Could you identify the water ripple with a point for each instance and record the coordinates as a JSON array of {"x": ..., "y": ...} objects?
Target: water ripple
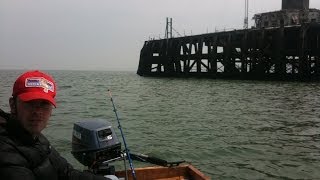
[{"x": 227, "y": 129}]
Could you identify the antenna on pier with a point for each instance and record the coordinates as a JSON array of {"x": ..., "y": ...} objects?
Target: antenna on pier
[
  {"x": 246, "y": 14},
  {"x": 168, "y": 33}
]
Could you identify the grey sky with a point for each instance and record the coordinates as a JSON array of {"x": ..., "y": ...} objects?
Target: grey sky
[{"x": 106, "y": 34}]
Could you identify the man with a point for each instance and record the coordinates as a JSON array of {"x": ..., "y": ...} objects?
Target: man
[{"x": 24, "y": 152}]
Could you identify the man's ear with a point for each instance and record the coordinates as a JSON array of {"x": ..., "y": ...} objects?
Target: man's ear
[{"x": 13, "y": 107}]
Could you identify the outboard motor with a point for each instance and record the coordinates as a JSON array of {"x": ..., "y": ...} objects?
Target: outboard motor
[{"x": 95, "y": 144}]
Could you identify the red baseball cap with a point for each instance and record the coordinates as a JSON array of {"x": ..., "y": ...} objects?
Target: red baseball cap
[{"x": 33, "y": 85}]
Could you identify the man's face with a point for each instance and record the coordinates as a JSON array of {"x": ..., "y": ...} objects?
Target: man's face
[{"x": 33, "y": 115}]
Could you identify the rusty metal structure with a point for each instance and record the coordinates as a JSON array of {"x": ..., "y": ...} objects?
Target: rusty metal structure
[
  {"x": 293, "y": 12},
  {"x": 278, "y": 53}
]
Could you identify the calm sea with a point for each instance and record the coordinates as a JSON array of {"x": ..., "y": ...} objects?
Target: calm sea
[{"x": 229, "y": 129}]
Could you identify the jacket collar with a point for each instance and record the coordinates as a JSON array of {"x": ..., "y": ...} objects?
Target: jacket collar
[{"x": 11, "y": 127}]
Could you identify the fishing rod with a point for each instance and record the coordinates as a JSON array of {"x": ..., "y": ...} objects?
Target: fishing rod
[{"x": 123, "y": 139}]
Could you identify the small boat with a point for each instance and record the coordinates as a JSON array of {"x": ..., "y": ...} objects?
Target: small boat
[{"x": 181, "y": 172}]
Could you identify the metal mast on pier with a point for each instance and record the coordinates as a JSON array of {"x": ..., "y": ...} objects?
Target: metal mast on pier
[
  {"x": 168, "y": 33},
  {"x": 246, "y": 14}
]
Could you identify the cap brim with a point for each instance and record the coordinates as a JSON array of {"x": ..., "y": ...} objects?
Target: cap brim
[{"x": 29, "y": 96}]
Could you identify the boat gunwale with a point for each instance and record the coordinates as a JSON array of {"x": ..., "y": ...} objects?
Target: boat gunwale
[{"x": 165, "y": 173}]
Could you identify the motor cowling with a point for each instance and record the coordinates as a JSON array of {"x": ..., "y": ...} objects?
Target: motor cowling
[{"x": 94, "y": 141}]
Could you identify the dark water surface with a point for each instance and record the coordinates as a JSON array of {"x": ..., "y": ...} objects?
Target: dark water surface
[{"x": 228, "y": 129}]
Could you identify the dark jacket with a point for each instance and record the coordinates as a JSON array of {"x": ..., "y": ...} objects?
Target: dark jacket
[{"x": 23, "y": 157}]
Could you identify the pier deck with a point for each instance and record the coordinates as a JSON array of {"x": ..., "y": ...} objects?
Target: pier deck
[{"x": 282, "y": 53}]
